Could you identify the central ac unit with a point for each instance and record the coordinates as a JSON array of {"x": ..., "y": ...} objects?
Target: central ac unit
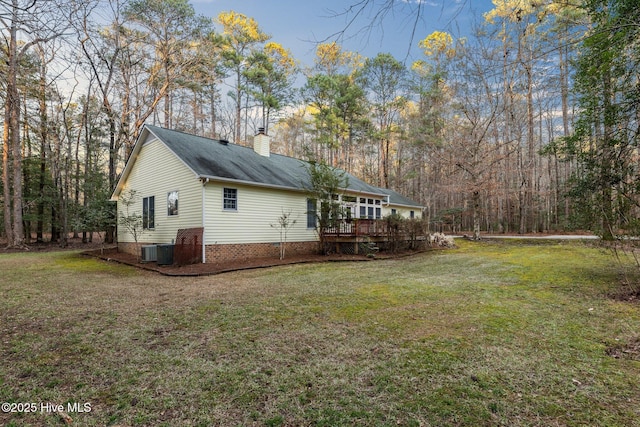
[{"x": 149, "y": 253}]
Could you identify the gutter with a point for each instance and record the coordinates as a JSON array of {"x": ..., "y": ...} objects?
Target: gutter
[
  {"x": 205, "y": 181},
  {"x": 279, "y": 187}
]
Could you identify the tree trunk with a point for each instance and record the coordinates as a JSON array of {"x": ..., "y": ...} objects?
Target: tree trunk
[
  {"x": 531, "y": 160},
  {"x": 43, "y": 155},
  {"x": 476, "y": 215},
  {"x": 238, "y": 105},
  {"x": 6, "y": 178},
  {"x": 214, "y": 133},
  {"x": 13, "y": 100},
  {"x": 606, "y": 159}
]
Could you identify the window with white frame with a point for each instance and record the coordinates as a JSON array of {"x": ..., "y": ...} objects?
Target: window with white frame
[
  {"x": 370, "y": 208},
  {"x": 172, "y": 203},
  {"x": 349, "y": 204},
  {"x": 148, "y": 212},
  {"x": 230, "y": 199},
  {"x": 312, "y": 216}
]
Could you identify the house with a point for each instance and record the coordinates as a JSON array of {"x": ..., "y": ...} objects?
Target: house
[{"x": 231, "y": 195}]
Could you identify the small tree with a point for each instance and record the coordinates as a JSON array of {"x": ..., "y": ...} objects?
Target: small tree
[
  {"x": 131, "y": 221},
  {"x": 285, "y": 222},
  {"x": 395, "y": 228},
  {"x": 413, "y": 229},
  {"x": 325, "y": 183},
  {"x": 96, "y": 217}
]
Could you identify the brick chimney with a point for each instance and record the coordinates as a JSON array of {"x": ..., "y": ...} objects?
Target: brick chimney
[{"x": 261, "y": 143}]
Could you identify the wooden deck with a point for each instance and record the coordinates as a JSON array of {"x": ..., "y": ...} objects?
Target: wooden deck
[
  {"x": 358, "y": 228},
  {"x": 363, "y": 234}
]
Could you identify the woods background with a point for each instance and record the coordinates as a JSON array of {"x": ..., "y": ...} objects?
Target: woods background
[{"x": 528, "y": 124}]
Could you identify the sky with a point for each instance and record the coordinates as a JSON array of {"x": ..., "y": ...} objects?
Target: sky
[{"x": 297, "y": 24}]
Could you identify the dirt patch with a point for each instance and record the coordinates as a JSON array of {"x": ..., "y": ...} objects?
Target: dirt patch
[
  {"x": 626, "y": 293},
  {"x": 112, "y": 254},
  {"x": 629, "y": 350}
]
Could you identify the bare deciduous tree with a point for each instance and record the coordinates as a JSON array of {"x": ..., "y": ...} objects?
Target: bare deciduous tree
[{"x": 24, "y": 24}]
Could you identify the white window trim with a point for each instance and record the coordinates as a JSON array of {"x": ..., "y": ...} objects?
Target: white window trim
[
  {"x": 225, "y": 198},
  {"x": 178, "y": 210}
]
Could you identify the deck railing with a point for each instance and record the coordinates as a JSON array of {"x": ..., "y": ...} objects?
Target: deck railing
[{"x": 357, "y": 227}]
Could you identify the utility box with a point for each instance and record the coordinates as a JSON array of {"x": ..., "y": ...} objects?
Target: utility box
[
  {"x": 149, "y": 253},
  {"x": 165, "y": 254}
]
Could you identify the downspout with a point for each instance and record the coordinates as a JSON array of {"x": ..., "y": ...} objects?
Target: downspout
[{"x": 205, "y": 181}]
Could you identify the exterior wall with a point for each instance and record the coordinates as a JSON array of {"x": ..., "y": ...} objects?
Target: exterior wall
[
  {"x": 258, "y": 209},
  {"x": 244, "y": 233},
  {"x": 130, "y": 248},
  {"x": 240, "y": 252},
  {"x": 156, "y": 172},
  {"x": 402, "y": 211},
  {"x": 379, "y": 203}
]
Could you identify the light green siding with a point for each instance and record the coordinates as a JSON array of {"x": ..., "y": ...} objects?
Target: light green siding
[
  {"x": 156, "y": 172},
  {"x": 258, "y": 208}
]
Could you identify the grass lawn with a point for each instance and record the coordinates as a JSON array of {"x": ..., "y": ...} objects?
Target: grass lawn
[{"x": 489, "y": 334}]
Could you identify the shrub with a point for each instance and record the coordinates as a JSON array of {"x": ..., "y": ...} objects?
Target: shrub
[{"x": 441, "y": 240}]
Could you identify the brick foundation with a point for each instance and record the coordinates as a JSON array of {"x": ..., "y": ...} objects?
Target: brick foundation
[
  {"x": 131, "y": 248},
  {"x": 240, "y": 252}
]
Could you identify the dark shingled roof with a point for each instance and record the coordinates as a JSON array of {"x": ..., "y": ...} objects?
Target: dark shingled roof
[{"x": 209, "y": 158}]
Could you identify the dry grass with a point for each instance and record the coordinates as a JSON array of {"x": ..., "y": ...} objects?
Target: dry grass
[{"x": 489, "y": 334}]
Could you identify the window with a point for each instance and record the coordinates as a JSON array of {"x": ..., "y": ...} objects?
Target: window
[
  {"x": 412, "y": 214},
  {"x": 349, "y": 199},
  {"x": 230, "y": 199},
  {"x": 311, "y": 213},
  {"x": 148, "y": 212},
  {"x": 394, "y": 212},
  {"x": 348, "y": 214},
  {"x": 370, "y": 208},
  {"x": 172, "y": 203}
]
